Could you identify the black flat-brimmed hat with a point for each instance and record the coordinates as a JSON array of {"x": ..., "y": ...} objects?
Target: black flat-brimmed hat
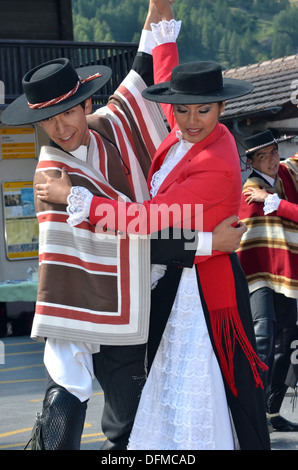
[
  {"x": 197, "y": 83},
  {"x": 262, "y": 140},
  {"x": 52, "y": 88}
]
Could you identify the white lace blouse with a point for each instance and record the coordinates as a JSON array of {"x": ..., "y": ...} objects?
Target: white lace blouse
[{"x": 183, "y": 404}]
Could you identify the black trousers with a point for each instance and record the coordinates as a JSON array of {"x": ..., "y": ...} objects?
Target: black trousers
[
  {"x": 274, "y": 317},
  {"x": 120, "y": 371}
]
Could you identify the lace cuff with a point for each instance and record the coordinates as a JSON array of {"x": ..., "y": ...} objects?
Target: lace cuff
[
  {"x": 166, "y": 31},
  {"x": 271, "y": 203},
  {"x": 79, "y": 202}
]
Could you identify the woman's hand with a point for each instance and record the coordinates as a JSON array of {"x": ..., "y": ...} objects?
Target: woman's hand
[
  {"x": 54, "y": 190},
  {"x": 255, "y": 195},
  {"x": 162, "y": 6},
  {"x": 159, "y": 10}
]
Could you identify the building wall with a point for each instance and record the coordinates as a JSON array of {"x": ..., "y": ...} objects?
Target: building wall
[
  {"x": 36, "y": 19},
  {"x": 16, "y": 169}
]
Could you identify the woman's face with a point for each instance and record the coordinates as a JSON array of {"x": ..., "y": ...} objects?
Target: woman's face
[{"x": 197, "y": 121}]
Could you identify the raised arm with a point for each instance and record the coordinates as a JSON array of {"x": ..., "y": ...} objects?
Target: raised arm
[
  {"x": 165, "y": 55},
  {"x": 139, "y": 121},
  {"x": 159, "y": 10}
]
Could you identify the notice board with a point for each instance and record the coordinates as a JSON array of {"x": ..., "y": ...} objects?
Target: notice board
[
  {"x": 20, "y": 221},
  {"x": 17, "y": 142}
]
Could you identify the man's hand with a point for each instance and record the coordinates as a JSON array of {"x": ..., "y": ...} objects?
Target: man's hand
[
  {"x": 255, "y": 195},
  {"x": 226, "y": 237},
  {"x": 54, "y": 190}
]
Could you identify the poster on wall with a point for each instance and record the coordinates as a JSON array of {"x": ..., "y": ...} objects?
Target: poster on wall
[
  {"x": 17, "y": 142},
  {"x": 20, "y": 221}
]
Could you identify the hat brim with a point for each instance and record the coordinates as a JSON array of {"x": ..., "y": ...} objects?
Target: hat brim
[
  {"x": 19, "y": 113},
  {"x": 162, "y": 93},
  {"x": 280, "y": 140}
]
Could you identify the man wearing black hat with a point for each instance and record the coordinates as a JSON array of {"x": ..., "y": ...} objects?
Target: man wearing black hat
[
  {"x": 84, "y": 282},
  {"x": 268, "y": 255}
]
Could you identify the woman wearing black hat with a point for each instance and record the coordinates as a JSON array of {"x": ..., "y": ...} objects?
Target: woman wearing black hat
[{"x": 204, "y": 389}]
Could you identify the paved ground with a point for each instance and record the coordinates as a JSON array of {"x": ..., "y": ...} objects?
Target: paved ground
[{"x": 22, "y": 391}]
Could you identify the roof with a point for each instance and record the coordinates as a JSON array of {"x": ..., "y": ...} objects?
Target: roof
[{"x": 273, "y": 86}]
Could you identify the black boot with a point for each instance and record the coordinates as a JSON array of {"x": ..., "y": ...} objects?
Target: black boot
[
  {"x": 282, "y": 362},
  {"x": 281, "y": 424},
  {"x": 60, "y": 424},
  {"x": 265, "y": 333}
]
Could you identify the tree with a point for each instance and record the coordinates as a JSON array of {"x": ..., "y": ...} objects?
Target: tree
[
  {"x": 285, "y": 37},
  {"x": 234, "y": 32}
]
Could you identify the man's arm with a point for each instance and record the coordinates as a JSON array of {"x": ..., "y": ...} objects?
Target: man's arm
[{"x": 179, "y": 247}]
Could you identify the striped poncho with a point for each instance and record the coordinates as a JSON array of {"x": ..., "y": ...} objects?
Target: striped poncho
[
  {"x": 269, "y": 249},
  {"x": 96, "y": 288}
]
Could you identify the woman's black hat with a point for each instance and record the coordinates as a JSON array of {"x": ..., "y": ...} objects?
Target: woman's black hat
[
  {"x": 197, "y": 83},
  {"x": 52, "y": 88}
]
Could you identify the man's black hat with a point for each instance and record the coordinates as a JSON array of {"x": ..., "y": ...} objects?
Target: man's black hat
[
  {"x": 52, "y": 88},
  {"x": 262, "y": 140}
]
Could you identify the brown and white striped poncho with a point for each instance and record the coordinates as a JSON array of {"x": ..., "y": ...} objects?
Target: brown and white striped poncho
[
  {"x": 269, "y": 249},
  {"x": 94, "y": 288}
]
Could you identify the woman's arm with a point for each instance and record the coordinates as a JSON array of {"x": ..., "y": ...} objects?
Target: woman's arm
[
  {"x": 225, "y": 236},
  {"x": 180, "y": 205},
  {"x": 165, "y": 57},
  {"x": 159, "y": 10},
  {"x": 288, "y": 210},
  {"x": 272, "y": 203}
]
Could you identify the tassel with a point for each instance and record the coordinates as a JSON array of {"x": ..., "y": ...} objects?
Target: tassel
[
  {"x": 227, "y": 328},
  {"x": 225, "y": 320}
]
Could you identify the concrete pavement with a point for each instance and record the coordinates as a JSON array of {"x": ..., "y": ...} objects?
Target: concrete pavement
[
  {"x": 22, "y": 381},
  {"x": 22, "y": 390}
]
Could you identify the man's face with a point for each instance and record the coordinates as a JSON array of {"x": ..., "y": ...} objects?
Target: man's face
[
  {"x": 266, "y": 161},
  {"x": 69, "y": 130}
]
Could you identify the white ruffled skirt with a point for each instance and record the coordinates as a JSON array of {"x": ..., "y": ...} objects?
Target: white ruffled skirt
[{"x": 183, "y": 404}]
